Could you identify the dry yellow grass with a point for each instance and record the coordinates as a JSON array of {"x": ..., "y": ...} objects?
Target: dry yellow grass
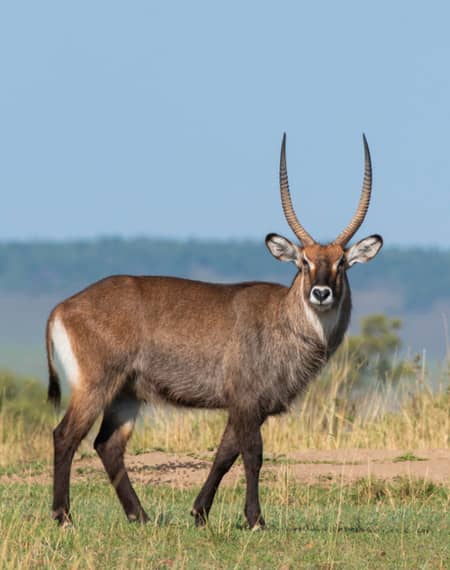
[{"x": 409, "y": 415}]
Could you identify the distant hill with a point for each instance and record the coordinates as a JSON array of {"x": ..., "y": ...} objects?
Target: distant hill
[
  {"x": 413, "y": 284},
  {"x": 420, "y": 276}
]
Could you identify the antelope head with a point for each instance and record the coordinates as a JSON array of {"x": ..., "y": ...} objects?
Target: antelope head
[{"x": 324, "y": 267}]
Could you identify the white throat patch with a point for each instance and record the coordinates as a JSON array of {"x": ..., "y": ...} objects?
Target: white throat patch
[{"x": 325, "y": 322}]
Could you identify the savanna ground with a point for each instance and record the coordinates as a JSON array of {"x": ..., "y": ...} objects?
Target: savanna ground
[{"x": 348, "y": 482}]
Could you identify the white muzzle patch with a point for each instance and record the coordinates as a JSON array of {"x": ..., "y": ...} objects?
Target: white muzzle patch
[{"x": 321, "y": 296}]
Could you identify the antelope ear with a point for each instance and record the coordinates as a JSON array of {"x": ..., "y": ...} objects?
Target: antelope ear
[
  {"x": 364, "y": 250},
  {"x": 281, "y": 248}
]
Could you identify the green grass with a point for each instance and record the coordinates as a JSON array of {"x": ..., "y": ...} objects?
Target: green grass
[
  {"x": 409, "y": 456},
  {"x": 370, "y": 524},
  {"x": 30, "y": 468}
]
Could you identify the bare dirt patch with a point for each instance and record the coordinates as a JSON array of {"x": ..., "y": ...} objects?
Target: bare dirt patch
[
  {"x": 311, "y": 466},
  {"x": 351, "y": 464}
]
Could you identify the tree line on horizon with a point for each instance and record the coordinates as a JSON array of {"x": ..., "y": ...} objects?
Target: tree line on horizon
[{"x": 67, "y": 266}]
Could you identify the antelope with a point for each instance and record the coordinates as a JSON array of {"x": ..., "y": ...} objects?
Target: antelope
[{"x": 249, "y": 348}]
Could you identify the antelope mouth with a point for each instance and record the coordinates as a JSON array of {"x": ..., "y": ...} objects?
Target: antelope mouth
[{"x": 321, "y": 307}]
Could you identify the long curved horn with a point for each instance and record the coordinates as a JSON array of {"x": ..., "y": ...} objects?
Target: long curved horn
[
  {"x": 363, "y": 205},
  {"x": 286, "y": 202}
]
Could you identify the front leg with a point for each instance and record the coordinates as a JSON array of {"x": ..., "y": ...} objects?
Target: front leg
[
  {"x": 251, "y": 447},
  {"x": 225, "y": 457}
]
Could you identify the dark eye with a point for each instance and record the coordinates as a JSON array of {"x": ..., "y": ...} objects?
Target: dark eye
[
  {"x": 341, "y": 262},
  {"x": 305, "y": 263}
]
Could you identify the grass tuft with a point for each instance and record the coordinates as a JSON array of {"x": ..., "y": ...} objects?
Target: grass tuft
[
  {"x": 365, "y": 525},
  {"x": 408, "y": 456}
]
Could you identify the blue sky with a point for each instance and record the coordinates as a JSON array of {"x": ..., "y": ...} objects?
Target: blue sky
[{"x": 165, "y": 118}]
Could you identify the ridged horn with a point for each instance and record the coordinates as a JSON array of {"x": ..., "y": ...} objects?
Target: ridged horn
[
  {"x": 363, "y": 205},
  {"x": 286, "y": 202}
]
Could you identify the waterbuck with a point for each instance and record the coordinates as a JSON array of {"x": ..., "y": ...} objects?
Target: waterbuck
[{"x": 249, "y": 348}]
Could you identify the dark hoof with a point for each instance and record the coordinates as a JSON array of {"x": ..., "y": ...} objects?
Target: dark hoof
[
  {"x": 200, "y": 518},
  {"x": 140, "y": 518},
  {"x": 259, "y": 523},
  {"x": 258, "y": 527},
  {"x": 63, "y": 519}
]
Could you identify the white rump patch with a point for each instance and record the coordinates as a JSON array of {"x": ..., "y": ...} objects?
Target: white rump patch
[{"x": 64, "y": 354}]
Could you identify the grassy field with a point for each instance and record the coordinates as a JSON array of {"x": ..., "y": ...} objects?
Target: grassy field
[
  {"x": 370, "y": 523},
  {"x": 366, "y": 525}
]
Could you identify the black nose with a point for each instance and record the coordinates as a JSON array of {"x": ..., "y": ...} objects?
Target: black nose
[{"x": 321, "y": 294}]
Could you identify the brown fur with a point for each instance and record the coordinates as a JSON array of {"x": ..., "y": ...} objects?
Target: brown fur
[{"x": 247, "y": 348}]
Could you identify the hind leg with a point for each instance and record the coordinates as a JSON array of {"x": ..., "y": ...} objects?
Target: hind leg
[
  {"x": 115, "y": 431},
  {"x": 67, "y": 436}
]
